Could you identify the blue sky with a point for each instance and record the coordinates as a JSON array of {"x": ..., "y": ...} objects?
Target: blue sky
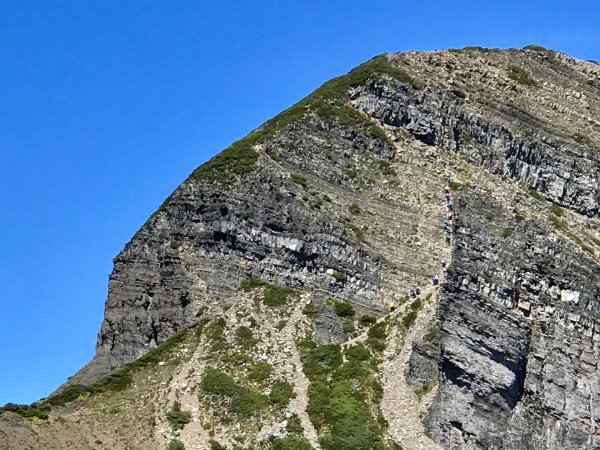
[{"x": 106, "y": 106}]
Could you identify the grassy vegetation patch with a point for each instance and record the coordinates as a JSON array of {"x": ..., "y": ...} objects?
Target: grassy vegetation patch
[
  {"x": 507, "y": 232},
  {"x": 241, "y": 401},
  {"x": 244, "y": 337},
  {"x": 273, "y": 295},
  {"x": 321, "y": 360},
  {"x": 557, "y": 210},
  {"x": 357, "y": 352},
  {"x": 358, "y": 232},
  {"x": 521, "y": 76},
  {"x": 281, "y": 393},
  {"x": 424, "y": 390},
  {"x": 260, "y": 371},
  {"x": 292, "y": 443},
  {"x": 376, "y": 337},
  {"x": 252, "y": 283},
  {"x": 354, "y": 209},
  {"x": 430, "y": 336},
  {"x": 310, "y": 310},
  {"x": 367, "y": 320},
  {"x": 179, "y": 419},
  {"x": 278, "y": 296},
  {"x": 343, "y": 309},
  {"x": 299, "y": 179},
  {"x": 340, "y": 276},
  {"x": 236, "y": 160},
  {"x": 176, "y": 445},
  {"x": 409, "y": 319},
  {"x": 348, "y": 327}
]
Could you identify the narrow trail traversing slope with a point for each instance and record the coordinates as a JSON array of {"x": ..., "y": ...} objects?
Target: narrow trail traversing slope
[{"x": 400, "y": 406}]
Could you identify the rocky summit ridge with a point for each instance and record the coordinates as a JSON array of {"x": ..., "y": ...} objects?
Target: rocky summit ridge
[{"x": 252, "y": 310}]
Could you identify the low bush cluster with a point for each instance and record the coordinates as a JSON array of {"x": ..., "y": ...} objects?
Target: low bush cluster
[{"x": 240, "y": 400}]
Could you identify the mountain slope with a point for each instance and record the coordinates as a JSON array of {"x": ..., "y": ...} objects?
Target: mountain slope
[{"x": 265, "y": 252}]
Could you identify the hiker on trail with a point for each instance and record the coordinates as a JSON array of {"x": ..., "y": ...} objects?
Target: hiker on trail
[
  {"x": 450, "y": 205},
  {"x": 448, "y": 195},
  {"x": 443, "y": 263},
  {"x": 392, "y": 305},
  {"x": 436, "y": 280},
  {"x": 381, "y": 121},
  {"x": 417, "y": 291},
  {"x": 364, "y": 108},
  {"x": 450, "y": 215},
  {"x": 449, "y": 181},
  {"x": 447, "y": 238}
]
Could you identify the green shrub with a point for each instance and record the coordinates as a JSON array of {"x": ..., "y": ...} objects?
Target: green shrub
[
  {"x": 343, "y": 309},
  {"x": 310, "y": 310},
  {"x": 215, "y": 331},
  {"x": 377, "y": 331},
  {"x": 367, "y": 320},
  {"x": 535, "y": 48},
  {"x": 535, "y": 194},
  {"x": 521, "y": 76},
  {"x": 245, "y": 337},
  {"x": 339, "y": 276},
  {"x": 557, "y": 210},
  {"x": 351, "y": 174},
  {"x": 281, "y": 325},
  {"x": 455, "y": 186},
  {"x": 260, "y": 371},
  {"x": 252, "y": 283},
  {"x": 176, "y": 445},
  {"x": 294, "y": 426},
  {"x": 359, "y": 233},
  {"x": 386, "y": 167},
  {"x": 67, "y": 395},
  {"x": 39, "y": 411},
  {"x": 348, "y": 327},
  {"x": 430, "y": 335},
  {"x": 409, "y": 319},
  {"x": 318, "y": 400},
  {"x": 351, "y": 427},
  {"x": 321, "y": 360},
  {"x": 174, "y": 245},
  {"x": 179, "y": 419},
  {"x": 292, "y": 443},
  {"x": 416, "y": 305},
  {"x": 556, "y": 222},
  {"x": 277, "y": 296},
  {"x": 214, "y": 445},
  {"x": 357, "y": 352},
  {"x": 424, "y": 390},
  {"x": 299, "y": 179},
  {"x": 242, "y": 401},
  {"x": 281, "y": 393},
  {"x": 507, "y": 232},
  {"x": 354, "y": 209},
  {"x": 236, "y": 160}
]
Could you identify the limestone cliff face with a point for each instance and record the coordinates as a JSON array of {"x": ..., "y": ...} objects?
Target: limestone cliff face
[
  {"x": 339, "y": 203},
  {"x": 519, "y": 336}
]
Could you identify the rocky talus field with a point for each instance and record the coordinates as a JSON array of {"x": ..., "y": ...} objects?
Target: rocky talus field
[{"x": 252, "y": 309}]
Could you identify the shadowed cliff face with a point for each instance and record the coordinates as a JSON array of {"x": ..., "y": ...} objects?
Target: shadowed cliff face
[
  {"x": 518, "y": 322},
  {"x": 346, "y": 202}
]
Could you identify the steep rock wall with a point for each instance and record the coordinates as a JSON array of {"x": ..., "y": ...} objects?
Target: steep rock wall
[{"x": 519, "y": 325}]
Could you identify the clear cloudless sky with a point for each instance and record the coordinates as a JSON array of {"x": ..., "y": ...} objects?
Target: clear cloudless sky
[{"x": 107, "y": 106}]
